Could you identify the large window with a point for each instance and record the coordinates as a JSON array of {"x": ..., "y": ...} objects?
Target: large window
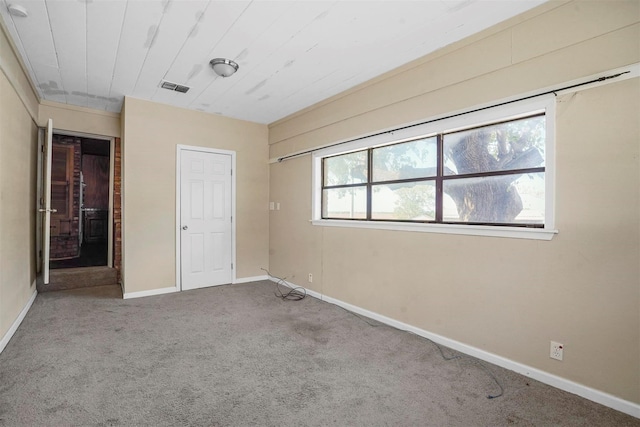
[{"x": 488, "y": 174}]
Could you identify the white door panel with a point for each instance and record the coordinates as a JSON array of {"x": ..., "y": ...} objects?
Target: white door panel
[
  {"x": 45, "y": 209},
  {"x": 205, "y": 219}
]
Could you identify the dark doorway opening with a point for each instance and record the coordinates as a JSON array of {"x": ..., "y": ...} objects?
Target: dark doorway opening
[{"x": 80, "y": 195}]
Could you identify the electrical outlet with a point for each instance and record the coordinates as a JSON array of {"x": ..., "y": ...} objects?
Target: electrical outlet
[
  {"x": 556, "y": 350},
  {"x": 310, "y": 277}
]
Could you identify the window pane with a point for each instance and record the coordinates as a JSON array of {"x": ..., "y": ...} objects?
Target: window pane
[
  {"x": 346, "y": 169},
  {"x": 345, "y": 203},
  {"x": 504, "y": 199},
  {"x": 518, "y": 144},
  {"x": 414, "y": 159},
  {"x": 407, "y": 201}
]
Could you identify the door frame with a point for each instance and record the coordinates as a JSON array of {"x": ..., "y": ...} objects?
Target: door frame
[
  {"x": 179, "y": 149},
  {"x": 40, "y": 190}
]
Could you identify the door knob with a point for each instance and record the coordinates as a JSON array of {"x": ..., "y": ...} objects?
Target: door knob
[{"x": 184, "y": 227}]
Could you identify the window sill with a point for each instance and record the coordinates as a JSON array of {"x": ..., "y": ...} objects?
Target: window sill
[{"x": 469, "y": 230}]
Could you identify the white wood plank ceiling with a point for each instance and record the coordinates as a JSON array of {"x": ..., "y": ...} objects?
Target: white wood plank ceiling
[{"x": 292, "y": 54}]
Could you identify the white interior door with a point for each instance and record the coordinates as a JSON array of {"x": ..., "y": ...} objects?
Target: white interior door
[
  {"x": 205, "y": 219},
  {"x": 46, "y": 201}
]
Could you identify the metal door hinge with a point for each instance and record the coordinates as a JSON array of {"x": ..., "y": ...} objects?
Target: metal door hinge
[{"x": 232, "y": 266}]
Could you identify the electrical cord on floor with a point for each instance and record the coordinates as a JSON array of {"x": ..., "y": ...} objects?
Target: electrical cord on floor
[
  {"x": 439, "y": 347},
  {"x": 296, "y": 293},
  {"x": 493, "y": 377}
]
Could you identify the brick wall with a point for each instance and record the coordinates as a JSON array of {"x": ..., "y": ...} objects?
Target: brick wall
[{"x": 117, "y": 206}]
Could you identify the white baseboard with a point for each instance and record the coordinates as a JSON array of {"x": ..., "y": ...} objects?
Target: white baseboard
[
  {"x": 251, "y": 279},
  {"x": 149, "y": 293},
  {"x": 162, "y": 291},
  {"x": 592, "y": 394},
  {"x": 14, "y": 326}
]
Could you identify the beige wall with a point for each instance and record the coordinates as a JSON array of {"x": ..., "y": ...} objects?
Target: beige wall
[
  {"x": 79, "y": 119},
  {"x": 506, "y": 296},
  {"x": 18, "y": 149},
  {"x": 152, "y": 132}
]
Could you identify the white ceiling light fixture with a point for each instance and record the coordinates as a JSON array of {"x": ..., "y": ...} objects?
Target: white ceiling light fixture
[
  {"x": 224, "y": 67},
  {"x": 17, "y": 10}
]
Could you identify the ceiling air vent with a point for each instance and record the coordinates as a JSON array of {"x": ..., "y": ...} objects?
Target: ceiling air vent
[{"x": 174, "y": 86}]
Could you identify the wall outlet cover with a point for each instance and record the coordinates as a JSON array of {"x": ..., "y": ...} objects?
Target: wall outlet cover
[{"x": 556, "y": 351}]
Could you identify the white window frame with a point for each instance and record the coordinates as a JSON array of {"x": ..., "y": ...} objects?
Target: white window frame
[{"x": 546, "y": 105}]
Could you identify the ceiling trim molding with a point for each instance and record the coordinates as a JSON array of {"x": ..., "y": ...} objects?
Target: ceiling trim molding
[{"x": 71, "y": 107}]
